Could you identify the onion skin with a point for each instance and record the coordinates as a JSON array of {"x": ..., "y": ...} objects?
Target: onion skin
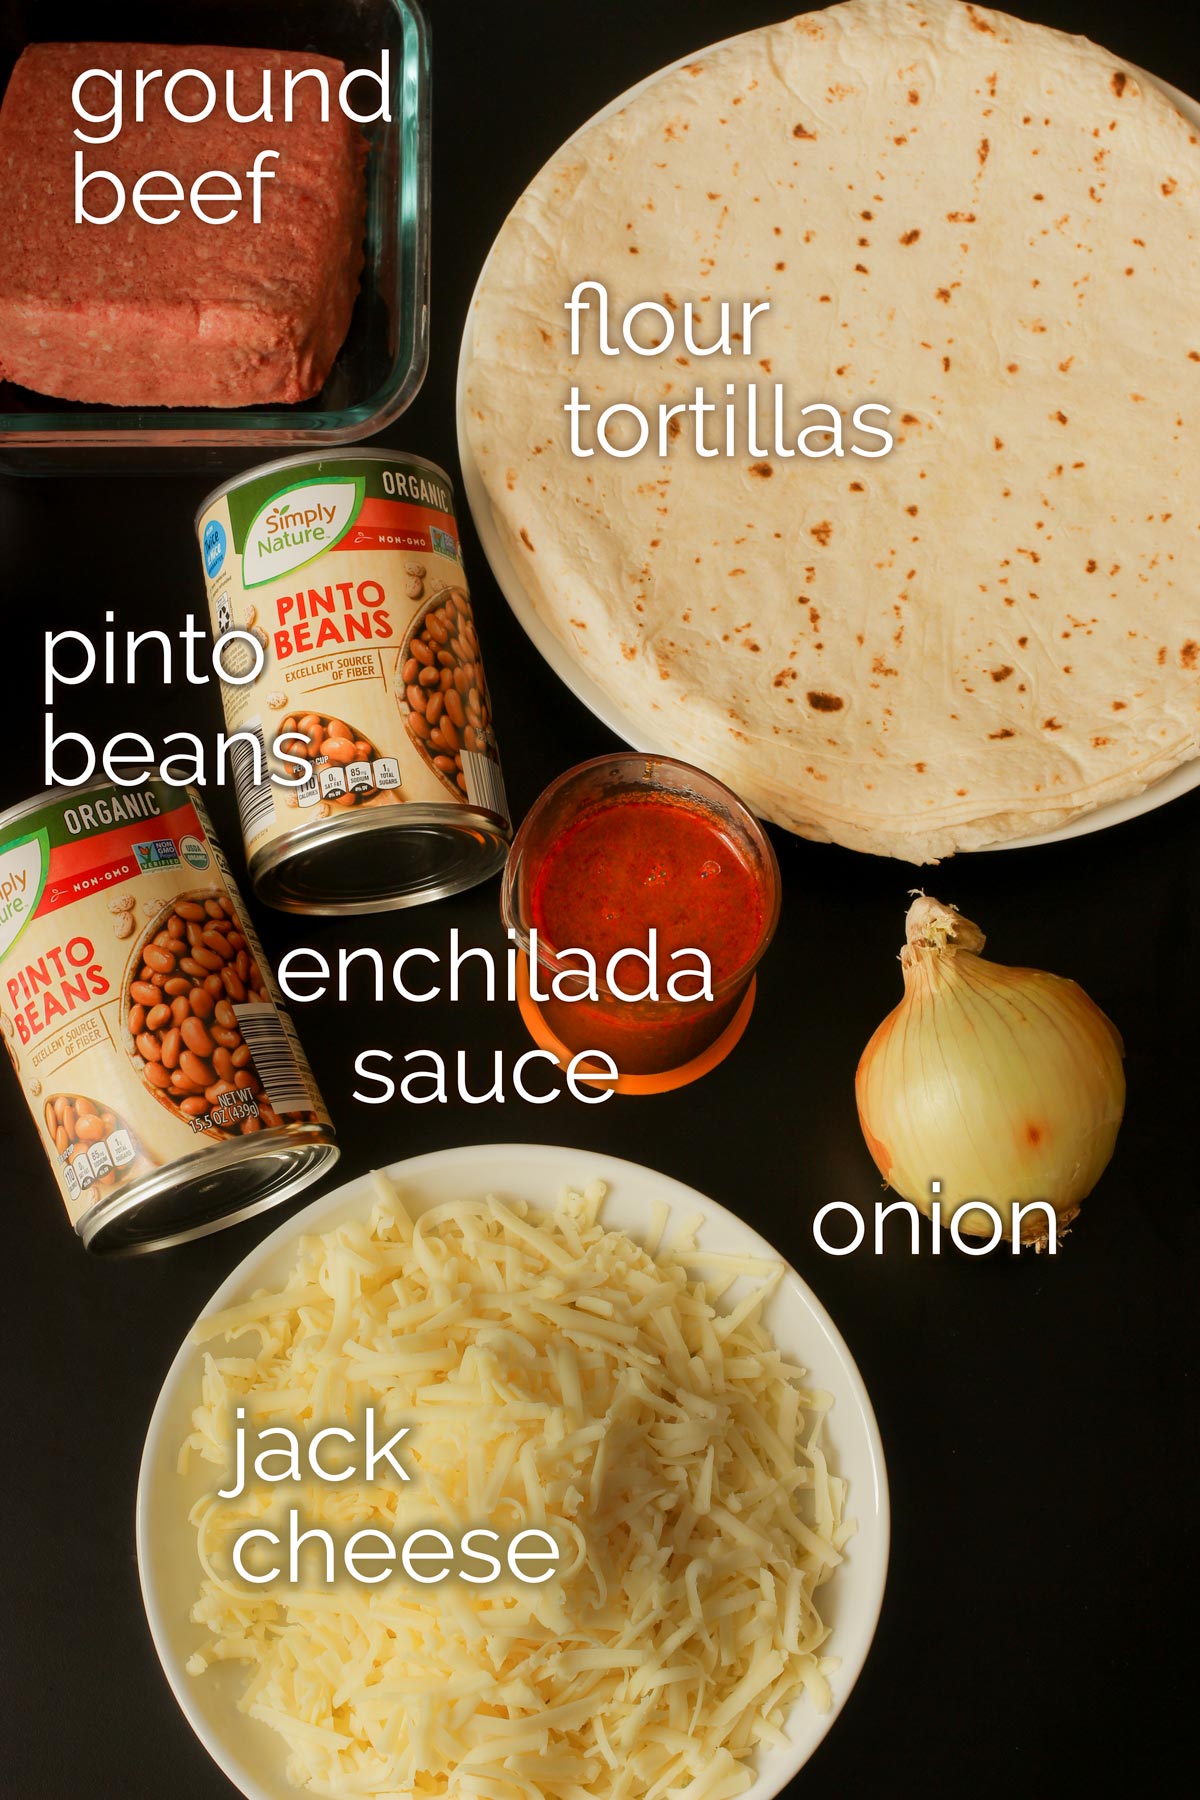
[{"x": 1005, "y": 1085}]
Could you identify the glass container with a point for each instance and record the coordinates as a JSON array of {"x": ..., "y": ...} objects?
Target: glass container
[
  {"x": 381, "y": 365},
  {"x": 650, "y": 1036}
]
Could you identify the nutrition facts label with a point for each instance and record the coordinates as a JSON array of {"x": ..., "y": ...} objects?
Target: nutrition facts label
[
  {"x": 90, "y": 1165},
  {"x": 334, "y": 781}
]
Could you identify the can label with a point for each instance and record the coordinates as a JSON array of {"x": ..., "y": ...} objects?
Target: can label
[
  {"x": 136, "y": 1004},
  {"x": 347, "y": 569}
]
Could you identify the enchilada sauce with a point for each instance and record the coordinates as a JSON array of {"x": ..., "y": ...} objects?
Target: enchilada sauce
[{"x": 623, "y": 867}]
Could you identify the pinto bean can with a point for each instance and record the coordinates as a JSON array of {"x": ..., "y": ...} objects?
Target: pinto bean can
[
  {"x": 164, "y": 1077},
  {"x": 365, "y": 754}
]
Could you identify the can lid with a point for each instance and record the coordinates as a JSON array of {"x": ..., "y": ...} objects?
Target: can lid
[
  {"x": 216, "y": 1187},
  {"x": 376, "y": 860}
]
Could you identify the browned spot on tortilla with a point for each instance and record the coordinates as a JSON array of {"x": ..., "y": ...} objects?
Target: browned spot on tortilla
[
  {"x": 1168, "y": 187},
  {"x": 1007, "y": 732},
  {"x": 1194, "y": 355},
  {"x": 910, "y": 237},
  {"x": 861, "y": 269},
  {"x": 1064, "y": 366},
  {"x": 526, "y": 539},
  {"x": 997, "y": 443},
  {"x": 802, "y": 131},
  {"x": 1051, "y": 725},
  {"x": 1002, "y": 673},
  {"x": 856, "y": 487},
  {"x": 1090, "y": 565},
  {"x": 1033, "y": 1133},
  {"x": 763, "y": 470},
  {"x": 920, "y": 768},
  {"x": 961, "y": 218},
  {"x": 981, "y": 25},
  {"x": 545, "y": 336},
  {"x": 943, "y": 294},
  {"x": 1162, "y": 656},
  {"x": 629, "y": 651},
  {"x": 673, "y": 428},
  {"x": 779, "y": 267},
  {"x": 1060, "y": 416},
  {"x": 912, "y": 511},
  {"x": 945, "y": 364},
  {"x": 984, "y": 151},
  {"x": 1189, "y": 653},
  {"x": 914, "y": 99},
  {"x": 1099, "y": 743},
  {"x": 1119, "y": 705},
  {"x": 822, "y": 532},
  {"x": 825, "y": 702},
  {"x": 1118, "y": 82},
  {"x": 783, "y": 677}
]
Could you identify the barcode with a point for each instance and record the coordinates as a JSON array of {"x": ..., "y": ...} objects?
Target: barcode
[
  {"x": 272, "y": 1044},
  {"x": 256, "y": 801},
  {"x": 485, "y": 784}
]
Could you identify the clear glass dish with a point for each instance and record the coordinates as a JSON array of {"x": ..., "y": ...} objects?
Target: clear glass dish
[
  {"x": 381, "y": 364},
  {"x": 642, "y": 1037}
]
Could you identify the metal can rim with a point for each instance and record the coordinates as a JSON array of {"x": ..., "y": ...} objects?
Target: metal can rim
[
  {"x": 315, "y": 1137},
  {"x": 463, "y": 822}
]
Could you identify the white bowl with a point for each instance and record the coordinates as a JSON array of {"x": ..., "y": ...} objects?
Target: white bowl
[{"x": 248, "y": 1752}]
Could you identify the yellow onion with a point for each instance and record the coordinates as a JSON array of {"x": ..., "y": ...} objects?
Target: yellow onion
[{"x": 1002, "y": 1085}]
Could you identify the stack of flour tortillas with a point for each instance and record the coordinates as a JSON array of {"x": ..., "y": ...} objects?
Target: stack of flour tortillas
[{"x": 986, "y": 226}]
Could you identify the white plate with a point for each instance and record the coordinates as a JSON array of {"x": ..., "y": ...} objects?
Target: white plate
[
  {"x": 630, "y": 726},
  {"x": 251, "y": 1755}
]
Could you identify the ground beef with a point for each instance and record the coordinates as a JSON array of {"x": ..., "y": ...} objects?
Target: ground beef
[{"x": 180, "y": 314}]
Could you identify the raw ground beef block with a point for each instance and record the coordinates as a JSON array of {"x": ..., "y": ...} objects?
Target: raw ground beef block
[{"x": 180, "y": 314}]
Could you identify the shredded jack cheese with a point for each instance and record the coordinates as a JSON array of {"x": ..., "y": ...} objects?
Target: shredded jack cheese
[{"x": 554, "y": 1374}]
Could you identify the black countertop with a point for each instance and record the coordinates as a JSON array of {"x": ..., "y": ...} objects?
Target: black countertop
[{"x": 1034, "y": 1412}]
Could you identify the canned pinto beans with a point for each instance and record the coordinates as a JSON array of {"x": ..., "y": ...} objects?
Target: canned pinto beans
[
  {"x": 347, "y": 570},
  {"x": 145, "y": 1028}
]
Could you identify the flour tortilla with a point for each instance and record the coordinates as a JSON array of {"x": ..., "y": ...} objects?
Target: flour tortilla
[{"x": 993, "y": 629}]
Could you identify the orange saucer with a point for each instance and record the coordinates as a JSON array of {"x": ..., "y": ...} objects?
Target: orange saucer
[{"x": 664, "y": 1082}]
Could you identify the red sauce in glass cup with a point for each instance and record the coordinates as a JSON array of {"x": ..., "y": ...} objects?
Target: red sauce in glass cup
[{"x": 626, "y": 865}]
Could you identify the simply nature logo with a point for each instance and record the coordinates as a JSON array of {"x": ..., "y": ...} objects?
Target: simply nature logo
[
  {"x": 297, "y": 525},
  {"x": 22, "y": 877}
]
